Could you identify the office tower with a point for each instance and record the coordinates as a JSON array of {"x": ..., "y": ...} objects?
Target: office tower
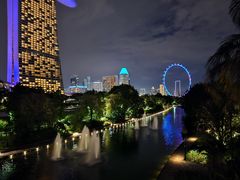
[
  {"x": 85, "y": 82},
  {"x": 74, "y": 80},
  {"x": 162, "y": 90},
  {"x": 124, "y": 76},
  {"x": 109, "y": 82},
  {"x": 142, "y": 92},
  {"x": 153, "y": 91},
  {"x": 97, "y": 86},
  {"x": 76, "y": 89},
  {"x": 33, "y": 51},
  {"x": 89, "y": 85},
  {"x": 177, "y": 89}
]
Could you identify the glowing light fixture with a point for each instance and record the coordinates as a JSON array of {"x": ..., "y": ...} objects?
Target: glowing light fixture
[
  {"x": 76, "y": 134},
  {"x": 124, "y": 71},
  {"x": 192, "y": 139},
  {"x": 177, "y": 158}
]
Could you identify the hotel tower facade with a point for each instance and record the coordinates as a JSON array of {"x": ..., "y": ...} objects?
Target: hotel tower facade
[{"x": 33, "y": 50}]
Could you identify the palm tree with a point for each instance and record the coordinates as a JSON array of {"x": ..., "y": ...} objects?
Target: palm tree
[{"x": 223, "y": 67}]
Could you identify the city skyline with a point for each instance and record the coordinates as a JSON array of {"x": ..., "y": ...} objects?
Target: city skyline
[
  {"x": 139, "y": 43},
  {"x": 88, "y": 87}
]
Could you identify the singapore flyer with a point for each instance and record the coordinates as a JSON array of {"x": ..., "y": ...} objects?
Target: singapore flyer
[{"x": 175, "y": 89}]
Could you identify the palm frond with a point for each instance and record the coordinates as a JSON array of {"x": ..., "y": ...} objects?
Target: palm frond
[
  {"x": 223, "y": 67},
  {"x": 225, "y": 60},
  {"x": 234, "y": 11}
]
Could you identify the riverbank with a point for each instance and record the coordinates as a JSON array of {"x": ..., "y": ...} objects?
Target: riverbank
[{"x": 176, "y": 168}]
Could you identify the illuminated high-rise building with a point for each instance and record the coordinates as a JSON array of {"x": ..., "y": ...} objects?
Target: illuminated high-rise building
[
  {"x": 76, "y": 89},
  {"x": 177, "y": 89},
  {"x": 142, "y": 91},
  {"x": 109, "y": 82},
  {"x": 74, "y": 80},
  {"x": 153, "y": 91},
  {"x": 124, "y": 76},
  {"x": 162, "y": 90},
  {"x": 97, "y": 86},
  {"x": 87, "y": 82},
  {"x": 33, "y": 51}
]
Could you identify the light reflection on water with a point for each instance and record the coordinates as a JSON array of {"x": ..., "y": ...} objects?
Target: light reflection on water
[
  {"x": 126, "y": 154},
  {"x": 171, "y": 126}
]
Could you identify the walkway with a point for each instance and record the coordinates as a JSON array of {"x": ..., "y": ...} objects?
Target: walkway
[{"x": 179, "y": 169}]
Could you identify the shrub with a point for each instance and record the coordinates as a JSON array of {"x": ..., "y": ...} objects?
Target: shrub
[{"x": 197, "y": 157}]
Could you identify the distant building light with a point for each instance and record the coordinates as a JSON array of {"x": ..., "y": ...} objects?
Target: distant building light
[{"x": 123, "y": 71}]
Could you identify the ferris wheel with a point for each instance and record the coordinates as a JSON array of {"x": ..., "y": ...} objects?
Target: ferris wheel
[{"x": 166, "y": 73}]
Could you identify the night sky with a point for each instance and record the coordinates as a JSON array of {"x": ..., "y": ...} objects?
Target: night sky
[{"x": 100, "y": 36}]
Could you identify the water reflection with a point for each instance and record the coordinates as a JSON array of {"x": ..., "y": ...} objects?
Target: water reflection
[{"x": 172, "y": 126}]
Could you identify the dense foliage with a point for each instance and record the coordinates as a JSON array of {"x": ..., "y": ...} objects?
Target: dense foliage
[
  {"x": 197, "y": 157},
  {"x": 34, "y": 115},
  {"x": 123, "y": 102},
  {"x": 33, "y": 111}
]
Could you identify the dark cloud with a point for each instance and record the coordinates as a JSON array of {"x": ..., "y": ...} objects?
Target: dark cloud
[{"x": 144, "y": 35}]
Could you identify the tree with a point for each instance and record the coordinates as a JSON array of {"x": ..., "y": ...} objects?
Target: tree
[
  {"x": 234, "y": 11},
  {"x": 223, "y": 67},
  {"x": 93, "y": 103},
  {"x": 32, "y": 110},
  {"x": 194, "y": 106},
  {"x": 207, "y": 109},
  {"x": 223, "y": 71},
  {"x": 153, "y": 103},
  {"x": 123, "y": 102}
]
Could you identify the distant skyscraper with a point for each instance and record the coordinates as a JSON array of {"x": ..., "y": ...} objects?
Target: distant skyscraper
[
  {"x": 97, "y": 86},
  {"x": 124, "y": 76},
  {"x": 33, "y": 52},
  {"x": 177, "y": 89},
  {"x": 142, "y": 92},
  {"x": 109, "y": 82},
  {"x": 162, "y": 90},
  {"x": 87, "y": 82},
  {"x": 76, "y": 89},
  {"x": 89, "y": 85},
  {"x": 153, "y": 91},
  {"x": 75, "y": 81}
]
